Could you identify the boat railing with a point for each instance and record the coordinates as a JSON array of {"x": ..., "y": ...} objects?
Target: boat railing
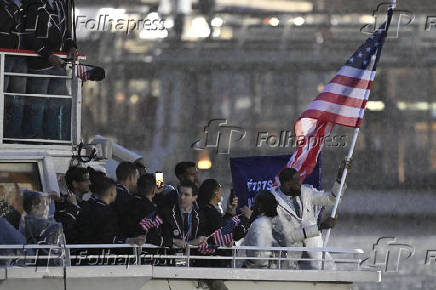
[
  {"x": 101, "y": 254},
  {"x": 73, "y": 86}
]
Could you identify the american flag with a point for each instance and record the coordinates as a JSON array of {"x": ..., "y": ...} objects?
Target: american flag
[
  {"x": 342, "y": 101},
  {"x": 153, "y": 220},
  {"x": 206, "y": 249},
  {"x": 82, "y": 72},
  {"x": 224, "y": 235}
]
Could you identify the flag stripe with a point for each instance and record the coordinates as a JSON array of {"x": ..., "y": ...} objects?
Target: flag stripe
[
  {"x": 341, "y": 111},
  {"x": 314, "y": 151},
  {"x": 352, "y": 72},
  {"x": 330, "y": 117},
  {"x": 352, "y": 82},
  {"x": 346, "y": 91},
  {"x": 346, "y": 101}
]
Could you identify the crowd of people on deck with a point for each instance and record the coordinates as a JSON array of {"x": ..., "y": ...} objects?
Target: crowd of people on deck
[{"x": 137, "y": 210}]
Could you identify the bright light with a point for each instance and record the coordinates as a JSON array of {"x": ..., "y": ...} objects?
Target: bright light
[
  {"x": 134, "y": 99},
  {"x": 217, "y": 22},
  {"x": 153, "y": 16},
  {"x": 274, "y": 21},
  {"x": 199, "y": 28},
  {"x": 366, "y": 19},
  {"x": 216, "y": 32},
  {"x": 299, "y": 21},
  {"x": 204, "y": 160},
  {"x": 204, "y": 164},
  {"x": 169, "y": 23},
  {"x": 375, "y": 105},
  {"x": 112, "y": 13},
  {"x": 120, "y": 97},
  {"x": 153, "y": 34}
]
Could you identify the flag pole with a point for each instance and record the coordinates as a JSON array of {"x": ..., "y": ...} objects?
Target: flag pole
[{"x": 344, "y": 173}]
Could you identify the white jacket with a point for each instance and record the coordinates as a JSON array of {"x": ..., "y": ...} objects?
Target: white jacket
[
  {"x": 259, "y": 235},
  {"x": 292, "y": 231}
]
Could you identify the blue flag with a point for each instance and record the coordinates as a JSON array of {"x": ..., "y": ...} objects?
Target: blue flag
[{"x": 253, "y": 174}]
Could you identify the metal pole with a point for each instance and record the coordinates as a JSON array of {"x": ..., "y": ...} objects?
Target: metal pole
[
  {"x": 2, "y": 96},
  {"x": 344, "y": 176}
]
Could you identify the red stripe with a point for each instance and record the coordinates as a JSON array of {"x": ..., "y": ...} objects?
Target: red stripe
[
  {"x": 352, "y": 82},
  {"x": 310, "y": 162},
  {"x": 332, "y": 118},
  {"x": 341, "y": 100}
]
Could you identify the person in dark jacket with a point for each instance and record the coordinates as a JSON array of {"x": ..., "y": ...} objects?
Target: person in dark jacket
[
  {"x": 182, "y": 220},
  {"x": 143, "y": 218},
  {"x": 47, "y": 32},
  {"x": 11, "y": 32},
  {"x": 67, "y": 208},
  {"x": 97, "y": 222},
  {"x": 212, "y": 218},
  {"x": 127, "y": 178}
]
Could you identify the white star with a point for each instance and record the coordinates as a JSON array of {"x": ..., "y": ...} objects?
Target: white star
[
  {"x": 351, "y": 59},
  {"x": 365, "y": 62},
  {"x": 377, "y": 44},
  {"x": 368, "y": 49},
  {"x": 360, "y": 54}
]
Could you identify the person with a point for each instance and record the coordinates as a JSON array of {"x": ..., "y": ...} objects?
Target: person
[
  {"x": 185, "y": 171},
  {"x": 11, "y": 205},
  {"x": 181, "y": 221},
  {"x": 212, "y": 218},
  {"x": 296, "y": 223},
  {"x": 11, "y": 31},
  {"x": 127, "y": 178},
  {"x": 10, "y": 236},
  {"x": 97, "y": 222},
  {"x": 142, "y": 208},
  {"x": 67, "y": 208},
  {"x": 260, "y": 232},
  {"x": 47, "y": 32},
  {"x": 38, "y": 228}
]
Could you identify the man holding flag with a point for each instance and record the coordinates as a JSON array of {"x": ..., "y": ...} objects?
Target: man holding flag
[{"x": 342, "y": 102}]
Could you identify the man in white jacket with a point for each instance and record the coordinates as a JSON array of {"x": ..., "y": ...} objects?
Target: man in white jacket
[{"x": 298, "y": 208}]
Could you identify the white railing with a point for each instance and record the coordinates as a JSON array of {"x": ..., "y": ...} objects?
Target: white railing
[
  {"x": 73, "y": 84},
  {"x": 64, "y": 255}
]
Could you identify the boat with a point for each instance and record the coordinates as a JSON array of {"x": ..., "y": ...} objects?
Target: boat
[{"x": 39, "y": 164}]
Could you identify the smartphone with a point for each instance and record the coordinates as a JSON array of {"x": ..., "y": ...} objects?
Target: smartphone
[{"x": 159, "y": 179}]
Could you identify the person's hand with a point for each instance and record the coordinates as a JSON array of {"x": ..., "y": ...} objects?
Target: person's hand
[
  {"x": 160, "y": 189},
  {"x": 246, "y": 211},
  {"x": 329, "y": 223},
  {"x": 344, "y": 163},
  {"x": 138, "y": 241},
  {"x": 232, "y": 205},
  {"x": 180, "y": 243},
  {"x": 72, "y": 198},
  {"x": 55, "y": 60},
  {"x": 198, "y": 241},
  {"x": 73, "y": 53}
]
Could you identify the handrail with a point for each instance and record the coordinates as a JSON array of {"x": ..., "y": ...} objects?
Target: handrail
[
  {"x": 28, "y": 52},
  {"x": 115, "y": 246}
]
